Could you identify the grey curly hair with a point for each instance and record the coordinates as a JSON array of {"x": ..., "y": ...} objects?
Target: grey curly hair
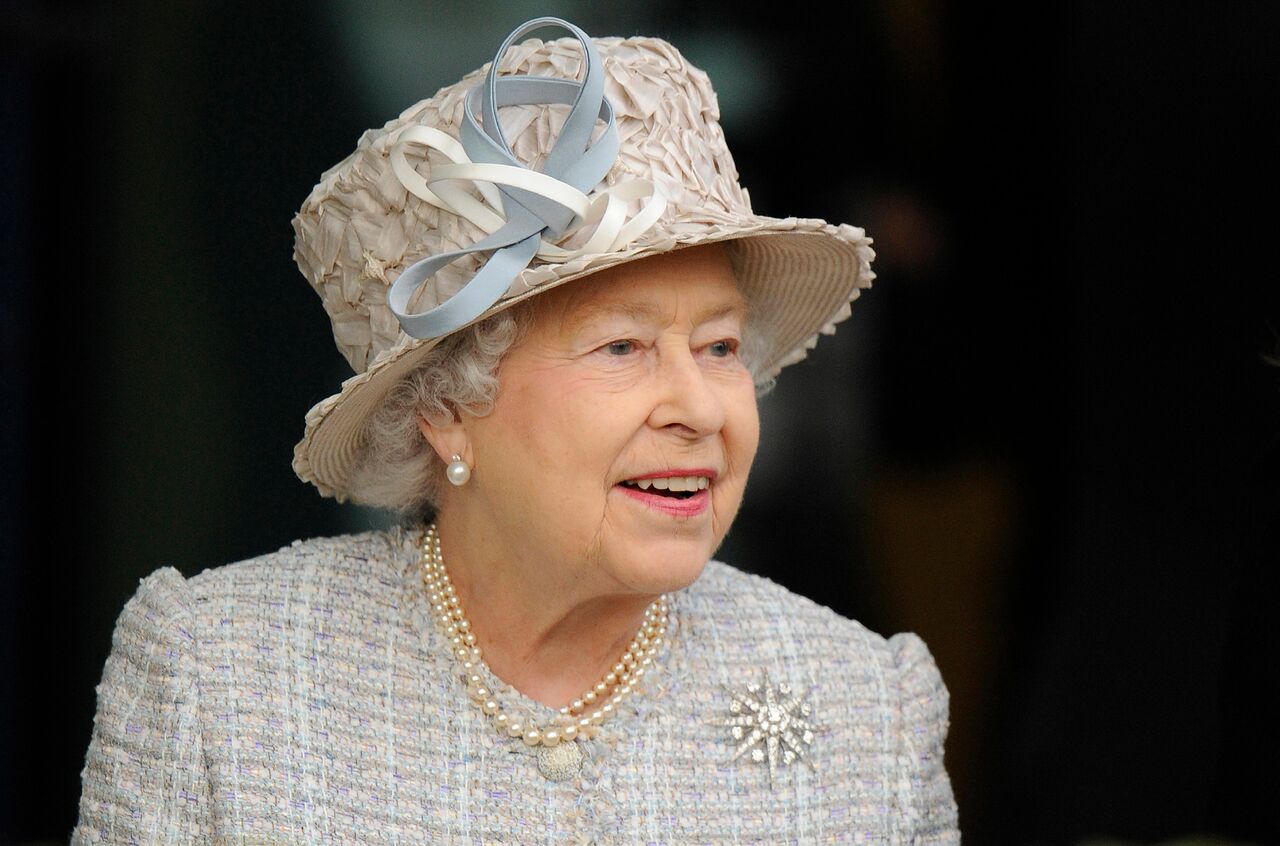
[{"x": 398, "y": 470}]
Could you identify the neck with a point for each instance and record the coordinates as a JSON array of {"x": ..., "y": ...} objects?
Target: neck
[{"x": 550, "y": 629}]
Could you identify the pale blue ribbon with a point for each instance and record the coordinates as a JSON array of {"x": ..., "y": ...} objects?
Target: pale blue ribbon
[{"x": 573, "y": 160}]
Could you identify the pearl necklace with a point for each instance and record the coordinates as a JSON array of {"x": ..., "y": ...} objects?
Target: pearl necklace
[{"x": 559, "y": 757}]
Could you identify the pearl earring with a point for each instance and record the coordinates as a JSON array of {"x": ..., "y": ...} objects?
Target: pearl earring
[{"x": 459, "y": 471}]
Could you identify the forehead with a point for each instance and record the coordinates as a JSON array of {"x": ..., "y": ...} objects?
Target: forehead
[{"x": 698, "y": 279}]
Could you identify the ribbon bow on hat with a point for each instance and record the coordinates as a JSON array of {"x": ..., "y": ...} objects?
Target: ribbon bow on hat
[{"x": 521, "y": 205}]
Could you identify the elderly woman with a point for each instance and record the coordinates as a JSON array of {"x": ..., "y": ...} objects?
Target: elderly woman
[{"x": 544, "y": 650}]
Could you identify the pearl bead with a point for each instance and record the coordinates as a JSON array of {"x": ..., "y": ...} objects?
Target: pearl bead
[
  {"x": 469, "y": 639},
  {"x": 597, "y": 717},
  {"x": 607, "y": 711},
  {"x": 479, "y": 692},
  {"x": 589, "y": 697},
  {"x": 515, "y": 728},
  {"x": 550, "y": 737},
  {"x": 569, "y": 732},
  {"x": 577, "y": 705},
  {"x": 611, "y": 679},
  {"x": 584, "y": 722},
  {"x": 459, "y": 472},
  {"x": 502, "y": 721},
  {"x": 463, "y": 625},
  {"x": 475, "y": 679},
  {"x": 532, "y": 737},
  {"x": 601, "y": 688},
  {"x": 490, "y": 707},
  {"x": 619, "y": 668}
]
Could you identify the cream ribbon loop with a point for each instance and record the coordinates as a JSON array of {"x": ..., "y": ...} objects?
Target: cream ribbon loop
[{"x": 522, "y": 212}]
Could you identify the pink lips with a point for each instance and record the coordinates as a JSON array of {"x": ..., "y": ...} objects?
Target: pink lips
[{"x": 689, "y": 507}]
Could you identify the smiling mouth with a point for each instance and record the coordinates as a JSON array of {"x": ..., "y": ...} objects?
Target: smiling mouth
[{"x": 673, "y": 488}]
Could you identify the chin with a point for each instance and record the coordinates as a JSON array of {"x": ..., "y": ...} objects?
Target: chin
[{"x": 665, "y": 566}]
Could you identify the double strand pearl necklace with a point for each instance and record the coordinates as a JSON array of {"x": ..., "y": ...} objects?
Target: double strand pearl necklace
[{"x": 559, "y": 756}]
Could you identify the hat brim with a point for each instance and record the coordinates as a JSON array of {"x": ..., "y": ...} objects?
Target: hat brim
[{"x": 800, "y": 276}]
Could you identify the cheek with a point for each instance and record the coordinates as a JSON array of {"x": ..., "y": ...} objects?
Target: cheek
[
  {"x": 513, "y": 456},
  {"x": 742, "y": 427},
  {"x": 568, "y": 430},
  {"x": 741, "y": 439}
]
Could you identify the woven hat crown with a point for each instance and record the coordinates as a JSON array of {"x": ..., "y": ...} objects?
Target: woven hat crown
[{"x": 360, "y": 227}]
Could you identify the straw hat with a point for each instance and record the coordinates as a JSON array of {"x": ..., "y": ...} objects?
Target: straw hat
[{"x": 438, "y": 220}]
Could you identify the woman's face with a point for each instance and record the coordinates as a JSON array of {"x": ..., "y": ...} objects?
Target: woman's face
[{"x": 627, "y": 375}]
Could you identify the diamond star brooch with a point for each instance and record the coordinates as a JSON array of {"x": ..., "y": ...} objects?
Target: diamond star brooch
[{"x": 770, "y": 724}]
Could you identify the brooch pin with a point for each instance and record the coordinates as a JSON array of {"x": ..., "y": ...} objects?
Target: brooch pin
[{"x": 772, "y": 724}]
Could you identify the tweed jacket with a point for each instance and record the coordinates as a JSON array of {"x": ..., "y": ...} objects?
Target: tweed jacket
[{"x": 305, "y": 696}]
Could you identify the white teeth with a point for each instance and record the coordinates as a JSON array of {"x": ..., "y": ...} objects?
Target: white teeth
[{"x": 672, "y": 483}]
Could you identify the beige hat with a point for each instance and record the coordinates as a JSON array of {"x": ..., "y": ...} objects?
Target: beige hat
[{"x": 393, "y": 249}]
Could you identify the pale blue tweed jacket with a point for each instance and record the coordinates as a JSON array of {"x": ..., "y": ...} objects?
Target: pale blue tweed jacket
[{"x": 306, "y": 697}]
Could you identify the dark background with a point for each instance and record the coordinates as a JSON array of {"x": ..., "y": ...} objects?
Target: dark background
[{"x": 1047, "y": 440}]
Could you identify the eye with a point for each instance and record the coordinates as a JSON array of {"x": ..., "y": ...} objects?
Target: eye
[
  {"x": 620, "y": 348},
  {"x": 724, "y": 348}
]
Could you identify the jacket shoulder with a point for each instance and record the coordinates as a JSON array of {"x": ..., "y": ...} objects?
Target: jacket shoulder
[
  {"x": 728, "y": 592},
  {"x": 321, "y": 596},
  {"x": 755, "y": 619},
  {"x": 362, "y": 565}
]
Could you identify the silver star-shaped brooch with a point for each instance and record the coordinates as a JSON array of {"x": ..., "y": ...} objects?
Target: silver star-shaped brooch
[{"x": 772, "y": 724}]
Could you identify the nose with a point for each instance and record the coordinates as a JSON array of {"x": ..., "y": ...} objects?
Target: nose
[{"x": 689, "y": 404}]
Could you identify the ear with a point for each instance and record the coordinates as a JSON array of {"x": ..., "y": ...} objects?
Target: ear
[{"x": 447, "y": 440}]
